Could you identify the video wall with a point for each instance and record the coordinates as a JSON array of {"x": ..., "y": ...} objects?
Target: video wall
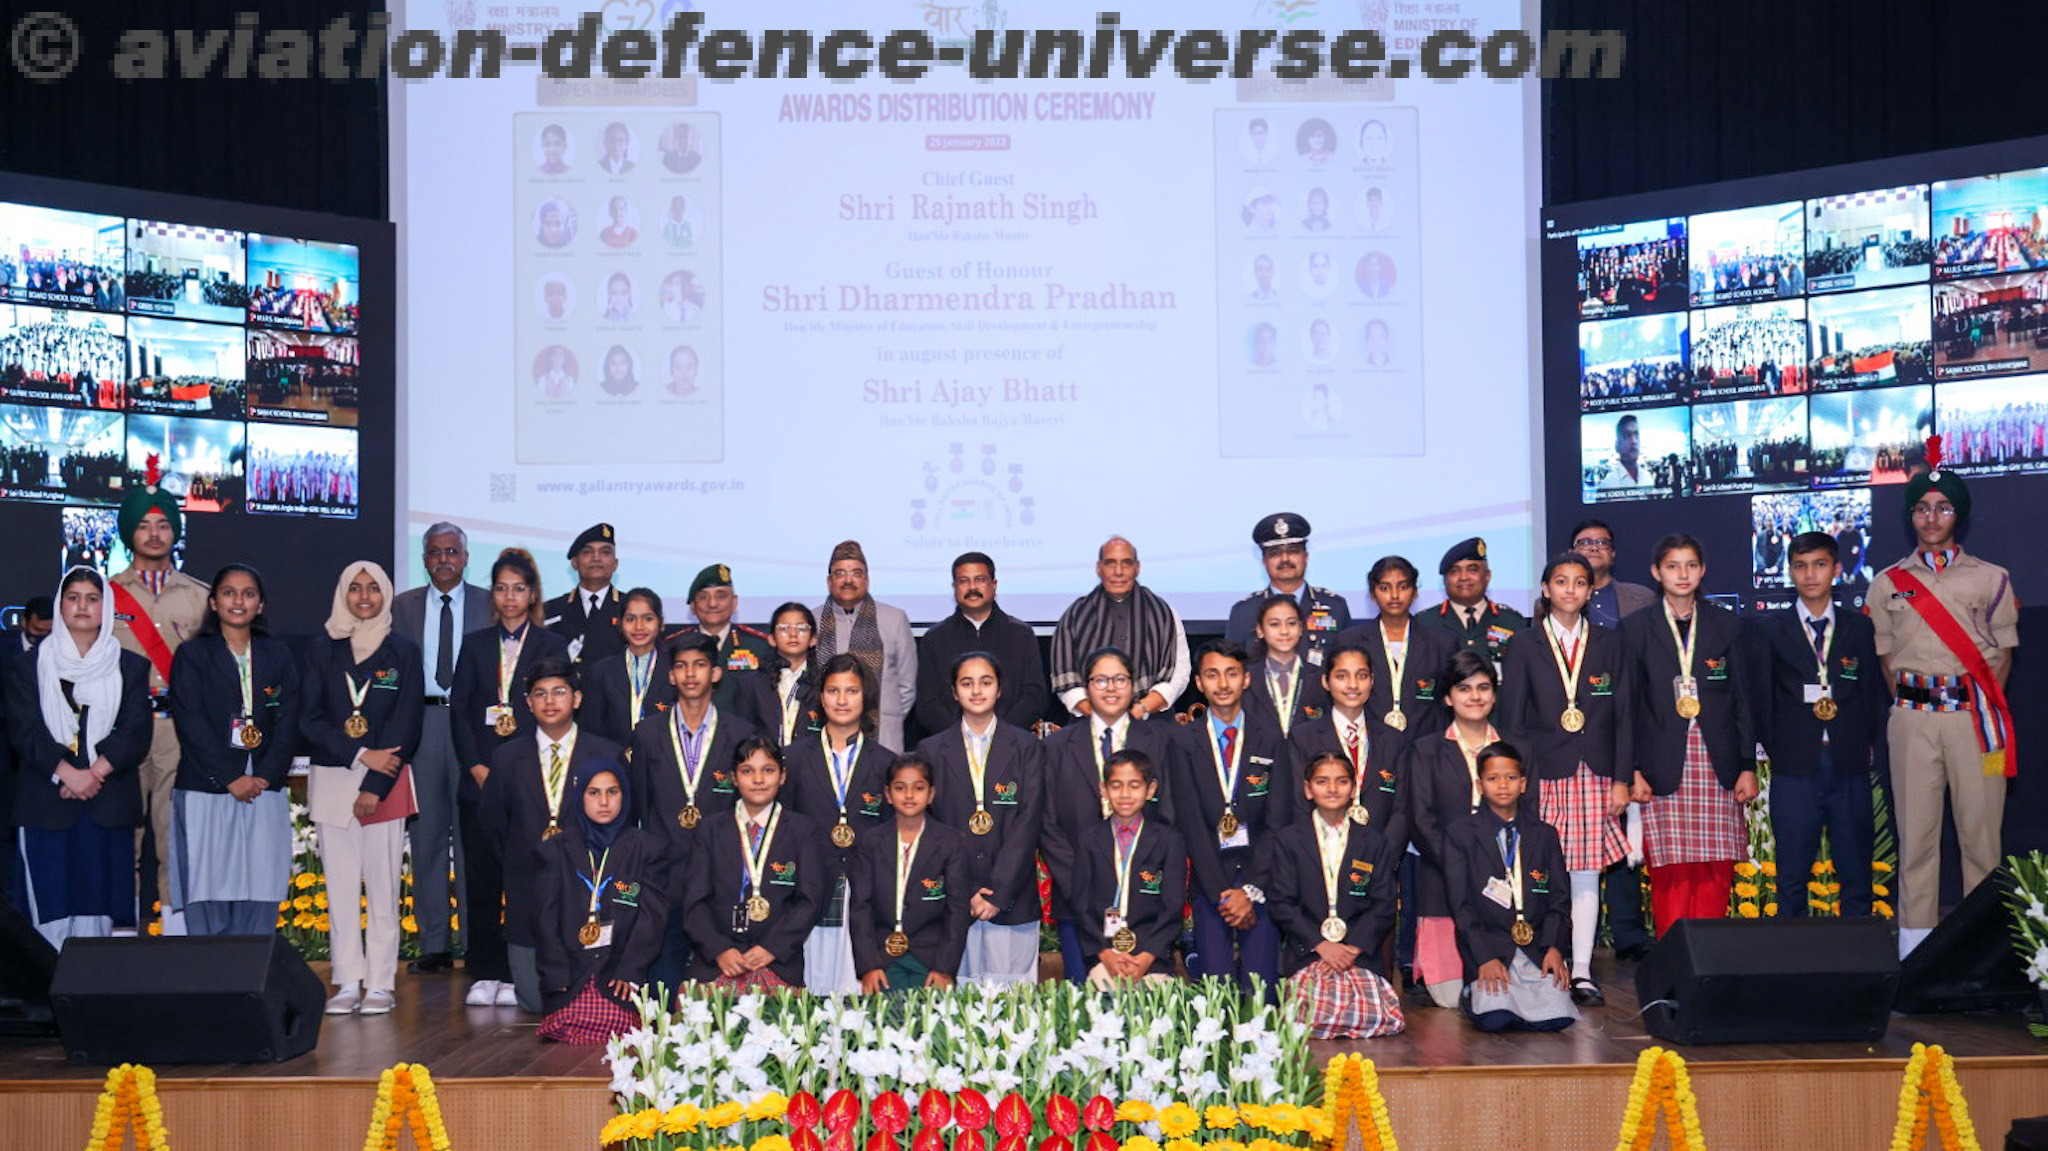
[
  {"x": 203, "y": 340},
  {"x": 1791, "y": 343}
]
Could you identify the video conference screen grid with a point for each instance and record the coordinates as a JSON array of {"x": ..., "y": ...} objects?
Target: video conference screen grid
[{"x": 229, "y": 356}]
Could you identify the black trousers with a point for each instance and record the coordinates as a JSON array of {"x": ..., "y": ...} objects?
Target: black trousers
[
  {"x": 483, "y": 886},
  {"x": 1801, "y": 806}
]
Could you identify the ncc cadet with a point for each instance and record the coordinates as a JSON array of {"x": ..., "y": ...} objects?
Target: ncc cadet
[
  {"x": 588, "y": 616},
  {"x": 1476, "y": 622},
  {"x": 1283, "y": 546}
]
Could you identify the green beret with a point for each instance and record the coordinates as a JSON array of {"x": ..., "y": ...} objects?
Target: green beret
[
  {"x": 716, "y": 575},
  {"x": 1939, "y": 479},
  {"x": 141, "y": 502}
]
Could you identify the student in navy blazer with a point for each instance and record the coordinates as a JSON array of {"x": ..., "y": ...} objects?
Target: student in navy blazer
[
  {"x": 731, "y": 947},
  {"x": 1350, "y": 673},
  {"x": 1298, "y": 895},
  {"x": 1156, "y": 874},
  {"x": 604, "y": 873},
  {"x": 1820, "y": 768},
  {"x": 1286, "y": 673},
  {"x": 608, "y": 681},
  {"x": 1425, "y": 651},
  {"x": 934, "y": 886}
]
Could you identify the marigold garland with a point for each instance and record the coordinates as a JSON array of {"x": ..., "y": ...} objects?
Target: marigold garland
[
  {"x": 128, "y": 1102},
  {"x": 1661, "y": 1084},
  {"x": 1351, "y": 1094},
  {"x": 1929, "y": 1089},
  {"x": 406, "y": 1097}
]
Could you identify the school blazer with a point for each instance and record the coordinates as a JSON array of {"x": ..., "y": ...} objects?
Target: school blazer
[
  {"x": 1074, "y": 796},
  {"x": 796, "y": 881},
  {"x": 634, "y": 903},
  {"x": 935, "y": 900},
  {"x": 1268, "y": 797},
  {"x": 476, "y": 688},
  {"x": 1780, "y": 650},
  {"x": 1004, "y": 860},
  {"x": 1423, "y": 694},
  {"x": 1659, "y": 733},
  {"x": 1159, "y": 888},
  {"x": 766, "y": 687},
  {"x": 36, "y": 802},
  {"x": 1438, "y": 791},
  {"x": 1483, "y": 925},
  {"x": 608, "y": 693},
  {"x": 1313, "y": 699},
  {"x": 1532, "y": 698},
  {"x": 658, "y": 787},
  {"x": 393, "y": 703},
  {"x": 1381, "y": 796},
  {"x": 1299, "y": 902},
  {"x": 514, "y": 812},
  {"x": 809, "y": 791},
  {"x": 206, "y": 695}
]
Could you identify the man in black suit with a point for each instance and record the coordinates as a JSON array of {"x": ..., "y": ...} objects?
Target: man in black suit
[
  {"x": 456, "y": 608},
  {"x": 977, "y": 624},
  {"x": 1820, "y": 705},
  {"x": 588, "y": 617},
  {"x": 16, "y": 643}
]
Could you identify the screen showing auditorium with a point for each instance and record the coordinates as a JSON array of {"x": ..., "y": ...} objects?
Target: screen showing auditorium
[
  {"x": 1749, "y": 445},
  {"x": 302, "y": 470},
  {"x": 1748, "y": 254},
  {"x": 59, "y": 455},
  {"x": 1990, "y": 426},
  {"x": 303, "y": 377},
  {"x": 1749, "y": 350},
  {"x": 1867, "y": 240},
  {"x": 1775, "y": 520},
  {"x": 61, "y": 356},
  {"x": 1991, "y": 326},
  {"x": 1633, "y": 269},
  {"x": 186, "y": 271},
  {"x": 184, "y": 368},
  {"x": 1870, "y": 339},
  {"x": 63, "y": 259},
  {"x": 201, "y": 460},
  {"x": 303, "y": 285},
  {"x": 1870, "y": 437},
  {"x": 1986, "y": 225},
  {"x": 1631, "y": 362}
]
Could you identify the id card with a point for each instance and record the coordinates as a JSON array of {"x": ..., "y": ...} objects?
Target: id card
[
  {"x": 1242, "y": 837},
  {"x": 1112, "y": 922},
  {"x": 494, "y": 713},
  {"x": 1683, "y": 688},
  {"x": 235, "y": 727},
  {"x": 1815, "y": 692},
  {"x": 741, "y": 925},
  {"x": 604, "y": 938},
  {"x": 1497, "y": 889}
]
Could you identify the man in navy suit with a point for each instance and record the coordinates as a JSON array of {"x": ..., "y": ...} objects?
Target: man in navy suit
[{"x": 1820, "y": 704}]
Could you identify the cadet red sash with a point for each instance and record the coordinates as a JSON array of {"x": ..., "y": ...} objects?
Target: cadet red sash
[
  {"x": 1994, "y": 717},
  {"x": 143, "y": 628}
]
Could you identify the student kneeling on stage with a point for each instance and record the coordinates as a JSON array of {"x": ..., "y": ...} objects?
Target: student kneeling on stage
[
  {"x": 602, "y": 911},
  {"x": 1131, "y": 878},
  {"x": 1502, "y": 868},
  {"x": 1331, "y": 891},
  {"x": 909, "y": 913},
  {"x": 759, "y": 884}
]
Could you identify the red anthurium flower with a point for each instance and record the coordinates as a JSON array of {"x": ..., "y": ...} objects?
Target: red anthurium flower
[
  {"x": 1013, "y": 1116},
  {"x": 804, "y": 1111},
  {"x": 1056, "y": 1143},
  {"x": 889, "y": 1113},
  {"x": 1062, "y": 1116},
  {"x": 805, "y": 1139},
  {"x": 929, "y": 1139},
  {"x": 934, "y": 1109},
  {"x": 881, "y": 1141},
  {"x": 839, "y": 1140},
  {"x": 970, "y": 1109},
  {"x": 842, "y": 1110},
  {"x": 1101, "y": 1141},
  {"x": 1099, "y": 1114},
  {"x": 970, "y": 1141},
  {"x": 1012, "y": 1143}
]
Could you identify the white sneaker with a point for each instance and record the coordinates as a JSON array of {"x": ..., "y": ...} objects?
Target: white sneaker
[
  {"x": 483, "y": 993},
  {"x": 378, "y": 1003},
  {"x": 345, "y": 1001},
  {"x": 508, "y": 995}
]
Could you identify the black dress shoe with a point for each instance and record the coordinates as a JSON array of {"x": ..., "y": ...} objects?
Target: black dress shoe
[
  {"x": 432, "y": 964},
  {"x": 1586, "y": 993},
  {"x": 1633, "y": 953}
]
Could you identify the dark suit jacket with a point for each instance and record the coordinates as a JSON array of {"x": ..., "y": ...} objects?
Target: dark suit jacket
[
  {"x": 608, "y": 694},
  {"x": 568, "y": 615},
  {"x": 1532, "y": 699},
  {"x": 1004, "y": 860},
  {"x": 1423, "y": 690},
  {"x": 411, "y": 616},
  {"x": 206, "y": 696},
  {"x": 1483, "y": 925},
  {"x": 391, "y": 703},
  {"x": 634, "y": 903},
  {"x": 515, "y": 815},
  {"x": 1311, "y": 699},
  {"x": 1074, "y": 795},
  {"x": 36, "y": 802},
  {"x": 1268, "y": 797},
  {"x": 1438, "y": 789},
  {"x": 1382, "y": 795},
  {"x": 767, "y": 688},
  {"x": 658, "y": 787},
  {"x": 1026, "y": 690},
  {"x": 1659, "y": 733},
  {"x": 744, "y": 654},
  {"x": 935, "y": 911},
  {"x": 796, "y": 881},
  {"x": 809, "y": 791},
  {"x": 1497, "y": 624},
  {"x": 1159, "y": 889},
  {"x": 476, "y": 688},
  {"x": 1633, "y": 597},
  {"x": 1779, "y": 647},
  {"x": 1299, "y": 901}
]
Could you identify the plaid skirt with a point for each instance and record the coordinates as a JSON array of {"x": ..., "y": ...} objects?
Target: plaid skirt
[
  {"x": 762, "y": 980},
  {"x": 1577, "y": 807},
  {"x": 1698, "y": 823},
  {"x": 1356, "y": 1004},
  {"x": 592, "y": 1017}
]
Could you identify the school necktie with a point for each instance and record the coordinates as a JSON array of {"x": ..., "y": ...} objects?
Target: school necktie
[
  {"x": 1820, "y": 631},
  {"x": 1227, "y": 744},
  {"x": 1108, "y": 745},
  {"x": 1285, "y": 677},
  {"x": 444, "y": 655},
  {"x": 753, "y": 836},
  {"x": 1351, "y": 741},
  {"x": 554, "y": 768},
  {"x": 1125, "y": 834}
]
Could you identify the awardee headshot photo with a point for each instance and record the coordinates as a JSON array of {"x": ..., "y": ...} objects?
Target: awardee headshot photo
[
  {"x": 554, "y": 298},
  {"x": 554, "y": 150},
  {"x": 554, "y": 372},
  {"x": 554, "y": 223}
]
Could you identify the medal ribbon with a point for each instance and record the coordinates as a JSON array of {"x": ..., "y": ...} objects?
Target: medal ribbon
[
  {"x": 356, "y": 695},
  {"x": 903, "y": 858},
  {"x": 1107, "y": 735},
  {"x": 639, "y": 673},
  {"x": 1827, "y": 644},
  {"x": 1333, "y": 862},
  {"x": 842, "y": 774},
  {"x": 557, "y": 777},
  {"x": 1397, "y": 666},
  {"x": 1226, "y": 776},
  {"x": 1568, "y": 663},
  {"x": 690, "y": 752},
  {"x": 977, "y": 769},
  {"x": 1123, "y": 869},
  {"x": 245, "y": 672},
  {"x": 1511, "y": 856},
  {"x": 1286, "y": 705},
  {"x": 789, "y": 693},
  {"x": 508, "y": 662},
  {"x": 597, "y": 879},
  {"x": 756, "y": 858},
  {"x": 1684, "y": 645},
  {"x": 1472, "y": 758}
]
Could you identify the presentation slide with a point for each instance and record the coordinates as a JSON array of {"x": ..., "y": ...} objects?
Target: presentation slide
[{"x": 742, "y": 320}]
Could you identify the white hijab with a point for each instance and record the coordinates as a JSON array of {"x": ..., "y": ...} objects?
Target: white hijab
[{"x": 94, "y": 675}]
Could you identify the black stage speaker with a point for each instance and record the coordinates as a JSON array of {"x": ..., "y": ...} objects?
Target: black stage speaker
[
  {"x": 217, "y": 999},
  {"x": 1967, "y": 963},
  {"x": 1770, "y": 981},
  {"x": 27, "y": 962}
]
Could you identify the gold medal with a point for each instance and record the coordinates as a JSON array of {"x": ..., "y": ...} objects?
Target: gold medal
[
  {"x": 1522, "y": 933},
  {"x": 1125, "y": 940},
  {"x": 1334, "y": 930},
  {"x": 252, "y": 736},
  {"x": 1396, "y": 719},
  {"x": 757, "y": 908},
  {"x": 1227, "y": 826},
  {"x": 981, "y": 823},
  {"x": 688, "y": 817},
  {"x": 1824, "y": 709},
  {"x": 842, "y": 835},
  {"x": 505, "y": 725},
  {"x": 897, "y": 945},
  {"x": 1688, "y": 707},
  {"x": 1359, "y": 815},
  {"x": 550, "y": 831},
  {"x": 589, "y": 933},
  {"x": 1573, "y": 720},
  {"x": 355, "y": 726}
]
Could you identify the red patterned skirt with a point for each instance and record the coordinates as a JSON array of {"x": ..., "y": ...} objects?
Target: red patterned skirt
[
  {"x": 1698, "y": 823},
  {"x": 592, "y": 1017},
  {"x": 1577, "y": 807},
  {"x": 762, "y": 980},
  {"x": 1353, "y": 1004}
]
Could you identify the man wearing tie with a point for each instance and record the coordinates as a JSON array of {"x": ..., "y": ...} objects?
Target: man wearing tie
[
  {"x": 436, "y": 617},
  {"x": 588, "y": 615}
]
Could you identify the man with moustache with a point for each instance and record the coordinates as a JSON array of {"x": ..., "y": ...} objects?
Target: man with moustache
[
  {"x": 851, "y": 620},
  {"x": 978, "y": 625},
  {"x": 588, "y": 617},
  {"x": 1282, "y": 539},
  {"x": 1477, "y": 623},
  {"x": 1125, "y": 615}
]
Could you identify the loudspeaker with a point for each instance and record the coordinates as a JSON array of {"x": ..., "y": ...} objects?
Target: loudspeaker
[
  {"x": 1967, "y": 963},
  {"x": 213, "y": 999},
  {"x": 27, "y": 962},
  {"x": 1770, "y": 981}
]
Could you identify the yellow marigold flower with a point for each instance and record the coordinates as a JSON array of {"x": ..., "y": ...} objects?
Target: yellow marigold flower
[
  {"x": 772, "y": 1143},
  {"x": 1881, "y": 867},
  {"x": 364, "y": 918},
  {"x": 1225, "y": 1145},
  {"x": 1768, "y": 867},
  {"x": 646, "y": 1124},
  {"x": 409, "y": 925},
  {"x": 303, "y": 903},
  {"x": 1824, "y": 867},
  {"x": 1136, "y": 1111},
  {"x": 320, "y": 900},
  {"x": 156, "y": 926},
  {"x": 1140, "y": 1142},
  {"x": 681, "y": 1119},
  {"x": 1319, "y": 1124},
  {"x": 1746, "y": 890},
  {"x": 1178, "y": 1121},
  {"x": 284, "y": 905},
  {"x": 320, "y": 923},
  {"x": 303, "y": 920},
  {"x": 1181, "y": 1145},
  {"x": 303, "y": 880},
  {"x": 1881, "y": 909},
  {"x": 769, "y": 1106},
  {"x": 1771, "y": 908},
  {"x": 1880, "y": 889},
  {"x": 1745, "y": 869},
  {"x": 1264, "y": 1144},
  {"x": 1816, "y": 887},
  {"x": 725, "y": 1114},
  {"x": 1253, "y": 1114},
  {"x": 1748, "y": 910},
  {"x": 617, "y": 1129},
  {"x": 1219, "y": 1119}
]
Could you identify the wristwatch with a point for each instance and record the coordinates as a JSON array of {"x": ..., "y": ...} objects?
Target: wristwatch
[{"x": 1252, "y": 893}]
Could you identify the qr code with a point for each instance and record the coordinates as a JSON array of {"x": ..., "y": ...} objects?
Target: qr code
[{"x": 504, "y": 487}]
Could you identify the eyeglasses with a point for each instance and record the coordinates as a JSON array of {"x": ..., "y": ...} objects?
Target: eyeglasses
[
  {"x": 1935, "y": 511},
  {"x": 848, "y": 573},
  {"x": 1105, "y": 682},
  {"x": 1592, "y": 544},
  {"x": 514, "y": 588},
  {"x": 559, "y": 691},
  {"x": 792, "y": 629}
]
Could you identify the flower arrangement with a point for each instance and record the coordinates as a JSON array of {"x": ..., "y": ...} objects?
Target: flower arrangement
[
  {"x": 1661, "y": 1085},
  {"x": 405, "y": 1096},
  {"x": 2027, "y": 897},
  {"x": 1929, "y": 1089},
  {"x": 1757, "y": 890},
  {"x": 1351, "y": 1094},
  {"x": 1194, "y": 1064},
  {"x": 129, "y": 1102}
]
